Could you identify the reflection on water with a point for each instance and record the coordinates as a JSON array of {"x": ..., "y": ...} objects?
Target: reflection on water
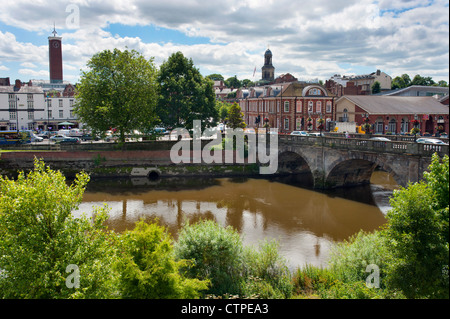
[{"x": 305, "y": 222}]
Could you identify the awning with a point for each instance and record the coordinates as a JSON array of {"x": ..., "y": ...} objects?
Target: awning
[{"x": 66, "y": 123}]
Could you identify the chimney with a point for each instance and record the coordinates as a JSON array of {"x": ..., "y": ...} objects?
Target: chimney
[
  {"x": 378, "y": 72},
  {"x": 18, "y": 85}
]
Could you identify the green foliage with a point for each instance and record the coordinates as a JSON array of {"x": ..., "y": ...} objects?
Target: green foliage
[
  {"x": 417, "y": 236},
  {"x": 148, "y": 268},
  {"x": 40, "y": 238},
  {"x": 349, "y": 259},
  {"x": 216, "y": 254},
  {"x": 376, "y": 87},
  {"x": 119, "y": 91},
  {"x": 267, "y": 272},
  {"x": 311, "y": 280},
  {"x": 184, "y": 95},
  {"x": 235, "y": 117}
]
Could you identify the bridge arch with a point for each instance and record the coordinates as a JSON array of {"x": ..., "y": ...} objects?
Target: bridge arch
[
  {"x": 355, "y": 171},
  {"x": 294, "y": 164}
]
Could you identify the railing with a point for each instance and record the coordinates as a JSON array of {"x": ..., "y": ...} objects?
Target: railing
[{"x": 398, "y": 147}]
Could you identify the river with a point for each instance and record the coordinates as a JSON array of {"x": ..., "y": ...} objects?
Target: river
[{"x": 305, "y": 222}]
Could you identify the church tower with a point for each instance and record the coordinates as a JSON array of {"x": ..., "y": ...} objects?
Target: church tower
[
  {"x": 268, "y": 70},
  {"x": 55, "y": 58}
]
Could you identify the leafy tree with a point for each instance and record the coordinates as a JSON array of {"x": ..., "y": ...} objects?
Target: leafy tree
[
  {"x": 40, "y": 238},
  {"x": 216, "y": 253},
  {"x": 442, "y": 83},
  {"x": 376, "y": 87},
  {"x": 247, "y": 83},
  {"x": 223, "y": 108},
  {"x": 185, "y": 95},
  {"x": 148, "y": 269},
  {"x": 233, "y": 82},
  {"x": 417, "y": 235},
  {"x": 215, "y": 77},
  {"x": 235, "y": 117},
  {"x": 419, "y": 80},
  {"x": 118, "y": 92}
]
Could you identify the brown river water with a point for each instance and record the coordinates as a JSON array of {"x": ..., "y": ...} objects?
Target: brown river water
[{"x": 305, "y": 222}]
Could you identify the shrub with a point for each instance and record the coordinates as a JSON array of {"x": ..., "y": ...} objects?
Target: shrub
[
  {"x": 40, "y": 239},
  {"x": 349, "y": 259},
  {"x": 148, "y": 268},
  {"x": 216, "y": 254},
  {"x": 311, "y": 280},
  {"x": 266, "y": 272}
]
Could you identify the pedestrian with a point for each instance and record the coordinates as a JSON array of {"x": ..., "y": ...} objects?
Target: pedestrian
[{"x": 346, "y": 134}]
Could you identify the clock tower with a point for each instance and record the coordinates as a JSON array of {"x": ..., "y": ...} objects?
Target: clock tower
[{"x": 55, "y": 58}]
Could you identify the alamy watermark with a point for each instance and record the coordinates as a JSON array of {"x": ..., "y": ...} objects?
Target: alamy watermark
[
  {"x": 373, "y": 280},
  {"x": 73, "y": 280},
  {"x": 234, "y": 152}
]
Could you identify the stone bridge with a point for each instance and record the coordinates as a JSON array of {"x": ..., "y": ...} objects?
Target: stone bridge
[{"x": 337, "y": 162}]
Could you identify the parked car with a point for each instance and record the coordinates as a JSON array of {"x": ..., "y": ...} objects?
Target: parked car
[
  {"x": 379, "y": 138},
  {"x": 316, "y": 134},
  {"x": 89, "y": 137},
  {"x": 58, "y": 137},
  {"x": 69, "y": 140},
  {"x": 47, "y": 134},
  {"x": 430, "y": 141},
  {"x": 35, "y": 138},
  {"x": 300, "y": 133}
]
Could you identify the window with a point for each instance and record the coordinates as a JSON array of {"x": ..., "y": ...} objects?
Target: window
[
  {"x": 60, "y": 103},
  {"x": 392, "y": 127},
  {"x": 30, "y": 126},
  {"x": 345, "y": 116},
  {"x": 404, "y": 126},
  {"x": 30, "y": 97},
  {"x": 49, "y": 113},
  {"x": 30, "y": 104},
  {"x": 49, "y": 103},
  {"x": 319, "y": 107},
  {"x": 310, "y": 106},
  {"x": 30, "y": 115},
  {"x": 71, "y": 103},
  {"x": 379, "y": 126},
  {"x": 328, "y": 110},
  {"x": 278, "y": 106},
  {"x": 12, "y": 126},
  {"x": 11, "y": 97},
  {"x": 298, "y": 123},
  {"x": 286, "y": 123},
  {"x": 299, "y": 106},
  {"x": 71, "y": 113},
  {"x": 286, "y": 106},
  {"x": 12, "y": 104},
  {"x": 12, "y": 115},
  {"x": 61, "y": 113}
]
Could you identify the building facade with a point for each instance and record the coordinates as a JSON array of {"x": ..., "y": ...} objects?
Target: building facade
[
  {"x": 287, "y": 106},
  {"x": 395, "y": 114},
  {"x": 358, "y": 84}
]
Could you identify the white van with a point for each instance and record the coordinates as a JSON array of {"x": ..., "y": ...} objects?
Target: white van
[
  {"x": 75, "y": 132},
  {"x": 64, "y": 132}
]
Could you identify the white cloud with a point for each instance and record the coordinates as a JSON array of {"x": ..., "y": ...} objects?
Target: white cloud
[{"x": 312, "y": 38}]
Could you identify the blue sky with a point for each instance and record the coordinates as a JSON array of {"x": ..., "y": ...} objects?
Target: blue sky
[{"x": 311, "y": 39}]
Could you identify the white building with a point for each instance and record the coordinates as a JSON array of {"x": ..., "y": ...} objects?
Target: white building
[{"x": 28, "y": 107}]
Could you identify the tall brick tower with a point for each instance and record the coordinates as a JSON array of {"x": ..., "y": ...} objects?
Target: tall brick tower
[{"x": 55, "y": 58}]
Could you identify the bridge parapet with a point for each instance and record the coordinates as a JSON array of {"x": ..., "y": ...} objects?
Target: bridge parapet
[{"x": 367, "y": 145}]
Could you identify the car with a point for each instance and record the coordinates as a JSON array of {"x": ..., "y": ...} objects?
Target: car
[
  {"x": 430, "y": 141},
  {"x": 35, "y": 138},
  {"x": 300, "y": 133},
  {"x": 379, "y": 138},
  {"x": 316, "y": 134},
  {"x": 69, "y": 140},
  {"x": 46, "y": 134},
  {"x": 89, "y": 137},
  {"x": 57, "y": 137}
]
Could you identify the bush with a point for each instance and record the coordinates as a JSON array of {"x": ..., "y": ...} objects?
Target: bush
[
  {"x": 312, "y": 280},
  {"x": 266, "y": 272},
  {"x": 40, "y": 239},
  {"x": 148, "y": 268},
  {"x": 216, "y": 254},
  {"x": 349, "y": 259}
]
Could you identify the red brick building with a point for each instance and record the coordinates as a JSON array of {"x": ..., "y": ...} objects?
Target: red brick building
[{"x": 287, "y": 106}]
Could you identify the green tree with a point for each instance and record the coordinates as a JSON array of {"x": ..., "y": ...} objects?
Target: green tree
[
  {"x": 417, "y": 235},
  {"x": 376, "y": 87},
  {"x": 40, "y": 238},
  {"x": 233, "y": 82},
  {"x": 215, "y": 77},
  {"x": 184, "y": 95},
  {"x": 235, "y": 117},
  {"x": 216, "y": 253},
  {"x": 223, "y": 108},
  {"x": 419, "y": 80},
  {"x": 119, "y": 91},
  {"x": 148, "y": 269}
]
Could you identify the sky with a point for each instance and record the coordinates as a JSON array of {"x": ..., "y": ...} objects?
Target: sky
[{"x": 310, "y": 39}]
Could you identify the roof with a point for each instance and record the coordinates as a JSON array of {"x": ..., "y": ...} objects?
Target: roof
[
  {"x": 397, "y": 104},
  {"x": 420, "y": 88},
  {"x": 23, "y": 89}
]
